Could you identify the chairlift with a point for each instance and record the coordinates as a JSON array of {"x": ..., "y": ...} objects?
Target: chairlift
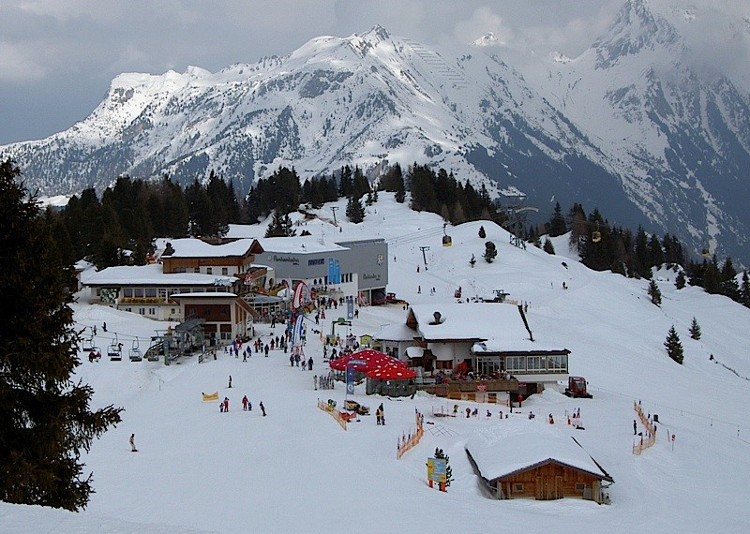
[
  {"x": 88, "y": 343},
  {"x": 135, "y": 352},
  {"x": 596, "y": 235},
  {"x": 115, "y": 350},
  {"x": 447, "y": 241}
]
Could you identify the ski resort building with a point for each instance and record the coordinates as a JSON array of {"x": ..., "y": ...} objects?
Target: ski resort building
[
  {"x": 336, "y": 269},
  {"x": 184, "y": 266},
  {"x": 541, "y": 464},
  {"x": 487, "y": 339}
]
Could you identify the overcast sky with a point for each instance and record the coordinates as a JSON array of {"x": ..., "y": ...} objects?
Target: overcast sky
[{"x": 57, "y": 57}]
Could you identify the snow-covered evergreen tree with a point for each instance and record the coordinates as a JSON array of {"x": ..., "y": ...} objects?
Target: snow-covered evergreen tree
[
  {"x": 654, "y": 293},
  {"x": 695, "y": 329}
]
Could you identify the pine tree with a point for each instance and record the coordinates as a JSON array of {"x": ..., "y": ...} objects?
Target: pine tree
[
  {"x": 674, "y": 346},
  {"x": 280, "y": 226},
  {"x": 482, "y": 233},
  {"x": 557, "y": 224},
  {"x": 679, "y": 282},
  {"x": 355, "y": 212},
  {"x": 548, "y": 247},
  {"x": 44, "y": 415},
  {"x": 490, "y": 251},
  {"x": 745, "y": 290},
  {"x": 654, "y": 293},
  {"x": 695, "y": 329},
  {"x": 472, "y": 261}
]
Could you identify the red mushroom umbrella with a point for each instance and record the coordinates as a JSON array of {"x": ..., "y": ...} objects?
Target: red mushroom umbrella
[{"x": 392, "y": 372}]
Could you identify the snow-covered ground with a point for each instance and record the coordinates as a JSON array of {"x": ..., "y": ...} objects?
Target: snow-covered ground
[{"x": 296, "y": 470}]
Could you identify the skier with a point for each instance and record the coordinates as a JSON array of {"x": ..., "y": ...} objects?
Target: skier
[
  {"x": 244, "y": 403},
  {"x": 315, "y": 382},
  {"x": 382, "y": 414},
  {"x": 104, "y": 326},
  {"x": 265, "y": 349},
  {"x": 291, "y": 360},
  {"x": 310, "y": 363},
  {"x": 132, "y": 443},
  {"x": 635, "y": 427},
  {"x": 230, "y": 382},
  {"x": 226, "y": 404},
  {"x": 378, "y": 415},
  {"x": 262, "y": 408}
]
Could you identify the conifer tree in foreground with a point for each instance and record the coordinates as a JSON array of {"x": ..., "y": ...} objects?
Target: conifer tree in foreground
[
  {"x": 695, "y": 329},
  {"x": 674, "y": 346},
  {"x": 45, "y": 419}
]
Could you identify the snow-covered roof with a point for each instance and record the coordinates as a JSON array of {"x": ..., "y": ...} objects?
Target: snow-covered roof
[
  {"x": 395, "y": 332},
  {"x": 195, "y": 248},
  {"x": 470, "y": 321},
  {"x": 297, "y": 245},
  {"x": 524, "y": 443},
  {"x": 414, "y": 352},
  {"x": 126, "y": 275}
]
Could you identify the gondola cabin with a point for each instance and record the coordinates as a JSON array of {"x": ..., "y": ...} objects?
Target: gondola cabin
[{"x": 447, "y": 241}]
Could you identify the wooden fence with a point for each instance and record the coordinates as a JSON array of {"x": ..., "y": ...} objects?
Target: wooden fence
[
  {"x": 650, "y": 438},
  {"x": 406, "y": 443},
  {"x": 331, "y": 409}
]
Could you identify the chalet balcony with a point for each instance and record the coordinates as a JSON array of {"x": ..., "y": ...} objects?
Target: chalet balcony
[{"x": 149, "y": 301}]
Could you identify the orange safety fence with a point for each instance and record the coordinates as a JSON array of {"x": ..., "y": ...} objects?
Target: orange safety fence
[
  {"x": 406, "y": 443},
  {"x": 650, "y": 438},
  {"x": 331, "y": 409}
]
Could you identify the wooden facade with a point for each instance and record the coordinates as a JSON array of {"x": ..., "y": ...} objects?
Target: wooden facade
[
  {"x": 510, "y": 469},
  {"x": 548, "y": 480}
]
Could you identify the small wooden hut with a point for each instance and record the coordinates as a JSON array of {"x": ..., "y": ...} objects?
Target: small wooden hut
[{"x": 538, "y": 464}]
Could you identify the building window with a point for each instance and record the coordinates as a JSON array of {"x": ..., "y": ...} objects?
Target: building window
[
  {"x": 138, "y": 292},
  {"x": 196, "y": 269},
  {"x": 517, "y": 487},
  {"x": 444, "y": 364},
  {"x": 225, "y": 271},
  {"x": 127, "y": 292},
  {"x": 557, "y": 363},
  {"x": 209, "y": 270},
  {"x": 536, "y": 364},
  {"x": 580, "y": 486},
  {"x": 151, "y": 292},
  {"x": 142, "y": 311},
  {"x": 515, "y": 364},
  {"x": 152, "y": 311},
  {"x": 179, "y": 270},
  {"x": 162, "y": 293}
]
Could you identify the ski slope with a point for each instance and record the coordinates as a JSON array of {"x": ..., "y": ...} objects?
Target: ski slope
[{"x": 296, "y": 470}]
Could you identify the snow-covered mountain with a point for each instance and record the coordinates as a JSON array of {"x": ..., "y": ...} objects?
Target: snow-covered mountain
[
  {"x": 676, "y": 130},
  {"x": 630, "y": 126}
]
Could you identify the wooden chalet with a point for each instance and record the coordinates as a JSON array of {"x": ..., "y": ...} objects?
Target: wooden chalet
[{"x": 539, "y": 464}]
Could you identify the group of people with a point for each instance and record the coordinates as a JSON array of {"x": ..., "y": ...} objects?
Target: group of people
[
  {"x": 296, "y": 358},
  {"x": 324, "y": 381},
  {"x": 247, "y": 406}
]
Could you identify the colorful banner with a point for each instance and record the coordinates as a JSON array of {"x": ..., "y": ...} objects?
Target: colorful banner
[
  {"x": 349, "y": 379},
  {"x": 334, "y": 271}
]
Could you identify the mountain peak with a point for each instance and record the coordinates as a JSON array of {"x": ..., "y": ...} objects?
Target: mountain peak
[
  {"x": 376, "y": 34},
  {"x": 489, "y": 39},
  {"x": 635, "y": 28}
]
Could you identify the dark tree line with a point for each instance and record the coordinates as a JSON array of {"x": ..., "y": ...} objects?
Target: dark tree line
[{"x": 634, "y": 255}]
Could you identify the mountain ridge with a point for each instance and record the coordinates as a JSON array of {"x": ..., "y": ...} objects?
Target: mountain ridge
[{"x": 627, "y": 126}]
